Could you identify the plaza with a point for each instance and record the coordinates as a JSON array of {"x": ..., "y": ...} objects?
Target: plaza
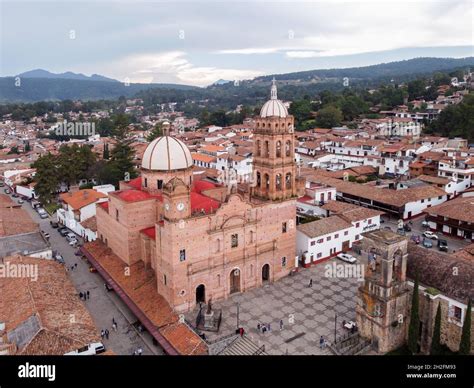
[{"x": 307, "y": 312}]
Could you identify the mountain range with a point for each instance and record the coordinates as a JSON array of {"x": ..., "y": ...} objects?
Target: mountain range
[{"x": 39, "y": 84}]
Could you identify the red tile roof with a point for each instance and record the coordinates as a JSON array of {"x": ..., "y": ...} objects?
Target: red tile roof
[
  {"x": 150, "y": 232},
  {"x": 199, "y": 186},
  {"x": 201, "y": 202}
]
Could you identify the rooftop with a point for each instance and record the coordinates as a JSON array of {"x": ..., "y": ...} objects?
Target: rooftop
[
  {"x": 323, "y": 226},
  {"x": 37, "y": 313},
  {"x": 82, "y": 198}
]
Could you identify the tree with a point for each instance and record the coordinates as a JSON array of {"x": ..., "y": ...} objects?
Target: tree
[
  {"x": 436, "y": 339},
  {"x": 120, "y": 165},
  {"x": 156, "y": 132},
  {"x": 329, "y": 117},
  {"x": 465, "y": 344},
  {"x": 106, "y": 153},
  {"x": 46, "y": 178},
  {"x": 27, "y": 147},
  {"x": 414, "y": 320}
]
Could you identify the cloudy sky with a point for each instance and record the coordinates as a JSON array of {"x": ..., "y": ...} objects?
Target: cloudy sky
[{"x": 199, "y": 42}]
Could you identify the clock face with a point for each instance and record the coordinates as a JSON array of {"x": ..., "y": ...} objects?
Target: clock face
[{"x": 180, "y": 206}]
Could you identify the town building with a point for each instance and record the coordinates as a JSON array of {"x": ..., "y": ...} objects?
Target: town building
[{"x": 201, "y": 240}]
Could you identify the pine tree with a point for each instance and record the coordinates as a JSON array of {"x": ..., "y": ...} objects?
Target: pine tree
[
  {"x": 106, "y": 154},
  {"x": 436, "y": 339},
  {"x": 46, "y": 178},
  {"x": 465, "y": 344},
  {"x": 156, "y": 132},
  {"x": 120, "y": 166},
  {"x": 414, "y": 320}
]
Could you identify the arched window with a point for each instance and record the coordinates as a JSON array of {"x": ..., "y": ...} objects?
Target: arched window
[
  {"x": 278, "y": 149},
  {"x": 258, "y": 148},
  {"x": 218, "y": 245},
  {"x": 267, "y": 181},
  {"x": 288, "y": 180},
  {"x": 259, "y": 179},
  {"x": 278, "y": 182},
  {"x": 288, "y": 148},
  {"x": 267, "y": 149}
]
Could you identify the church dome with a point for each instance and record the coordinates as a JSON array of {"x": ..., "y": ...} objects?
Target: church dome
[
  {"x": 167, "y": 153},
  {"x": 273, "y": 107}
]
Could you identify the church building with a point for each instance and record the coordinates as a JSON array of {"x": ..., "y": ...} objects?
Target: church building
[{"x": 206, "y": 241}]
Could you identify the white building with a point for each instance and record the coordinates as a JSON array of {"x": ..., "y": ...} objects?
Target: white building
[
  {"x": 325, "y": 238},
  {"x": 79, "y": 207}
]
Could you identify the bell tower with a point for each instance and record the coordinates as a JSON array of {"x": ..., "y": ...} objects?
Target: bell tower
[
  {"x": 176, "y": 200},
  {"x": 273, "y": 157}
]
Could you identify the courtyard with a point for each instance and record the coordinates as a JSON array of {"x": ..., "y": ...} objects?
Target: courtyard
[{"x": 307, "y": 312}]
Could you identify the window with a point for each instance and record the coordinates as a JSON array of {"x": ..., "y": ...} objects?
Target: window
[
  {"x": 369, "y": 221},
  {"x": 357, "y": 224},
  {"x": 336, "y": 235},
  {"x": 164, "y": 280},
  {"x": 346, "y": 233},
  {"x": 283, "y": 261},
  {"x": 357, "y": 237},
  {"x": 319, "y": 255},
  {"x": 146, "y": 182},
  {"x": 328, "y": 238},
  {"x": 313, "y": 243},
  {"x": 283, "y": 227},
  {"x": 455, "y": 313},
  {"x": 320, "y": 240},
  {"x": 234, "y": 242},
  {"x": 422, "y": 201},
  {"x": 182, "y": 255},
  {"x": 159, "y": 183},
  {"x": 116, "y": 214}
]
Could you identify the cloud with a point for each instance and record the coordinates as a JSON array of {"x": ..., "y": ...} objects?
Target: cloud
[
  {"x": 174, "y": 67},
  {"x": 249, "y": 51}
]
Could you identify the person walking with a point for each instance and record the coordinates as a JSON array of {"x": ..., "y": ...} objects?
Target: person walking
[
  {"x": 80, "y": 295},
  {"x": 281, "y": 324},
  {"x": 107, "y": 333},
  {"x": 114, "y": 326},
  {"x": 88, "y": 293},
  {"x": 259, "y": 327},
  {"x": 321, "y": 342},
  {"x": 102, "y": 334}
]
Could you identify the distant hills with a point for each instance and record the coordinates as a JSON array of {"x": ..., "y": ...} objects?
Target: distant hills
[
  {"x": 39, "y": 84},
  {"x": 40, "y": 73}
]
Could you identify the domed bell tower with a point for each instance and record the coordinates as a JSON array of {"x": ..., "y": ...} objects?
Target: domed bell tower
[{"x": 273, "y": 157}]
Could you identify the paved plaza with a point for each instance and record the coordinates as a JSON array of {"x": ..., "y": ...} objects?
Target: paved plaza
[{"x": 307, "y": 312}]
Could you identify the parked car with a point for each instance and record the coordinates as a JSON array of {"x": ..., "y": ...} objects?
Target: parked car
[
  {"x": 88, "y": 350},
  {"x": 443, "y": 245},
  {"x": 15, "y": 195},
  {"x": 45, "y": 234},
  {"x": 59, "y": 259},
  {"x": 53, "y": 224},
  {"x": 416, "y": 239},
  {"x": 2, "y": 184},
  {"x": 347, "y": 258},
  {"x": 430, "y": 234},
  {"x": 424, "y": 224},
  {"x": 63, "y": 231},
  {"x": 7, "y": 191},
  {"x": 406, "y": 228},
  {"x": 427, "y": 243}
]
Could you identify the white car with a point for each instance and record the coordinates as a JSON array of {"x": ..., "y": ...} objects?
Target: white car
[
  {"x": 347, "y": 258},
  {"x": 431, "y": 235},
  {"x": 425, "y": 224}
]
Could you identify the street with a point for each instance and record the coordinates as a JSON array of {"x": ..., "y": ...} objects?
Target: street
[
  {"x": 102, "y": 305},
  {"x": 454, "y": 244}
]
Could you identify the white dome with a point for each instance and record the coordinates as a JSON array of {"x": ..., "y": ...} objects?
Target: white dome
[
  {"x": 273, "y": 107},
  {"x": 167, "y": 153}
]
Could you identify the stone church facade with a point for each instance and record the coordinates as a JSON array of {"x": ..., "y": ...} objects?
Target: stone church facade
[{"x": 206, "y": 241}]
